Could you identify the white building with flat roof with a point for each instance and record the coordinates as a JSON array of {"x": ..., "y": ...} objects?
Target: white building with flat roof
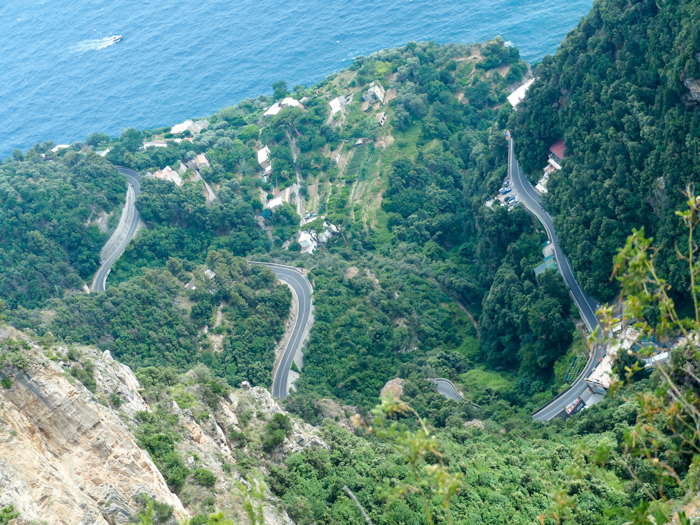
[
  {"x": 307, "y": 242},
  {"x": 517, "y": 96},
  {"x": 602, "y": 376},
  {"x": 264, "y": 158},
  {"x": 274, "y": 203},
  {"x": 154, "y": 144},
  {"x": 273, "y": 110},
  {"x": 337, "y": 105}
]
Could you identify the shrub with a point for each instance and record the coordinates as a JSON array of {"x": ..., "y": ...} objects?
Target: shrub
[
  {"x": 115, "y": 400},
  {"x": 239, "y": 439},
  {"x": 6, "y": 382},
  {"x": 281, "y": 422},
  {"x": 273, "y": 440},
  {"x": 85, "y": 375},
  {"x": 278, "y": 428},
  {"x": 204, "y": 477},
  {"x": 7, "y": 514}
]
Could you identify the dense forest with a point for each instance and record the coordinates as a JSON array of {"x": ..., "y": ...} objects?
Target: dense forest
[
  {"x": 182, "y": 226},
  {"x": 49, "y": 228},
  {"x": 621, "y": 91}
]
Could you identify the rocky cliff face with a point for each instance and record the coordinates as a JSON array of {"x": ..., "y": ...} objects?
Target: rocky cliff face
[
  {"x": 69, "y": 456},
  {"x": 207, "y": 446},
  {"x": 64, "y": 457}
]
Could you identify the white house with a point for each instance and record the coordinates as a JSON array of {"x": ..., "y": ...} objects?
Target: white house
[
  {"x": 60, "y": 146},
  {"x": 328, "y": 233},
  {"x": 517, "y": 96},
  {"x": 167, "y": 173},
  {"x": 381, "y": 118},
  {"x": 191, "y": 126},
  {"x": 209, "y": 274},
  {"x": 290, "y": 102},
  {"x": 273, "y": 110},
  {"x": 307, "y": 243},
  {"x": 274, "y": 203},
  {"x": 375, "y": 93},
  {"x": 264, "y": 159},
  {"x": 337, "y": 105}
]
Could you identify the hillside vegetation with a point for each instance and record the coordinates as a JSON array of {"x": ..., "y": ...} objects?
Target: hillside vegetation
[
  {"x": 421, "y": 280},
  {"x": 48, "y": 224},
  {"x": 617, "y": 91}
]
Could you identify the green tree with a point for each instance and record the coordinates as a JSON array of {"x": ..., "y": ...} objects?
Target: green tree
[{"x": 280, "y": 90}]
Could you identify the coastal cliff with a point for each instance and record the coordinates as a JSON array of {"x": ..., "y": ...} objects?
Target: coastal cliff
[
  {"x": 64, "y": 457},
  {"x": 70, "y": 455}
]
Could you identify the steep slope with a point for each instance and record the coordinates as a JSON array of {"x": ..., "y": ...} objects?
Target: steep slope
[
  {"x": 53, "y": 222},
  {"x": 64, "y": 457},
  {"x": 80, "y": 443},
  {"x": 622, "y": 92}
]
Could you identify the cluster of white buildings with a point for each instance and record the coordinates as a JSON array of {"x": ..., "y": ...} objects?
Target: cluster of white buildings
[
  {"x": 288, "y": 102},
  {"x": 190, "y": 125},
  {"x": 599, "y": 381},
  {"x": 309, "y": 241},
  {"x": 175, "y": 175},
  {"x": 170, "y": 174}
]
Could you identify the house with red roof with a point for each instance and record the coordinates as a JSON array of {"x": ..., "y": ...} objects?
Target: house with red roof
[{"x": 557, "y": 149}]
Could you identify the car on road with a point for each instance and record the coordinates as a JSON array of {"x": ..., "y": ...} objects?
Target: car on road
[
  {"x": 510, "y": 200},
  {"x": 505, "y": 190}
]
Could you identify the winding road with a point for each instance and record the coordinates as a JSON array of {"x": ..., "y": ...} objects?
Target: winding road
[
  {"x": 303, "y": 290},
  {"x": 532, "y": 200},
  {"x": 100, "y": 282},
  {"x": 447, "y": 388}
]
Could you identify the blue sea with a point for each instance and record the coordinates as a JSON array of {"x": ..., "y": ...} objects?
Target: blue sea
[{"x": 186, "y": 58}]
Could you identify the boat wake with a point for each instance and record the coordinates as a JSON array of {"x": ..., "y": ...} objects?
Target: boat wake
[{"x": 96, "y": 44}]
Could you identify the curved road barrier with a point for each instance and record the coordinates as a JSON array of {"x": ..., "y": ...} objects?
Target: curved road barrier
[
  {"x": 133, "y": 178},
  {"x": 303, "y": 290},
  {"x": 531, "y": 199},
  {"x": 447, "y": 388}
]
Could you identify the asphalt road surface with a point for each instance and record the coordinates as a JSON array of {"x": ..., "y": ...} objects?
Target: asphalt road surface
[
  {"x": 133, "y": 179},
  {"x": 447, "y": 389},
  {"x": 532, "y": 200},
  {"x": 302, "y": 287}
]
